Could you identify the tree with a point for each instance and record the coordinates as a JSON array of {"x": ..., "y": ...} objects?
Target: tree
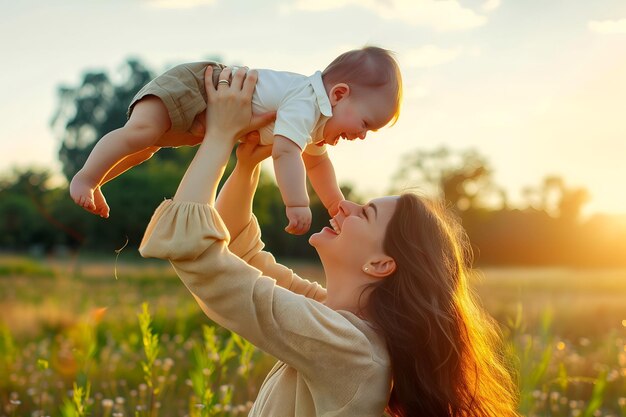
[
  {"x": 24, "y": 216},
  {"x": 463, "y": 178},
  {"x": 87, "y": 112},
  {"x": 558, "y": 199}
]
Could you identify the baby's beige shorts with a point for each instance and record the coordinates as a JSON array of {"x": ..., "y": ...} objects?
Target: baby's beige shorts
[{"x": 181, "y": 89}]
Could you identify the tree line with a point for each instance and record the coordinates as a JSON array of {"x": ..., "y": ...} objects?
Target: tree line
[{"x": 37, "y": 216}]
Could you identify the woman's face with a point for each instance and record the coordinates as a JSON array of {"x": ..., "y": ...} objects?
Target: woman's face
[{"x": 357, "y": 231}]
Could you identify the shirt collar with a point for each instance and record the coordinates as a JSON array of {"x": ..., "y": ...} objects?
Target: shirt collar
[{"x": 320, "y": 93}]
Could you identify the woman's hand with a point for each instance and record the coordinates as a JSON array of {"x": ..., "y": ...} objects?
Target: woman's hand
[
  {"x": 229, "y": 117},
  {"x": 235, "y": 200},
  {"x": 250, "y": 153},
  {"x": 229, "y": 105}
]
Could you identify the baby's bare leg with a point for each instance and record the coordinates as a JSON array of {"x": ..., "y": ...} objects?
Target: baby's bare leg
[
  {"x": 148, "y": 122},
  {"x": 124, "y": 165},
  {"x": 129, "y": 162}
]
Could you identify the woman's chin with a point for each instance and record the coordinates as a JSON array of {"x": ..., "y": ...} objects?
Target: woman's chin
[
  {"x": 314, "y": 239},
  {"x": 321, "y": 237}
]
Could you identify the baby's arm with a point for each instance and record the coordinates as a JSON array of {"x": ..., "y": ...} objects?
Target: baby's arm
[
  {"x": 290, "y": 176},
  {"x": 321, "y": 173}
]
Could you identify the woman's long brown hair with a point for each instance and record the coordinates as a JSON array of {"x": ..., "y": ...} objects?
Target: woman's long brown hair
[{"x": 446, "y": 353}]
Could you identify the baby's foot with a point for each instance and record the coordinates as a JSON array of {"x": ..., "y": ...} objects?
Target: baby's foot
[
  {"x": 82, "y": 193},
  {"x": 102, "y": 208}
]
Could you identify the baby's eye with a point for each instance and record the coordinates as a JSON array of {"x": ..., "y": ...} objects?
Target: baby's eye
[{"x": 364, "y": 213}]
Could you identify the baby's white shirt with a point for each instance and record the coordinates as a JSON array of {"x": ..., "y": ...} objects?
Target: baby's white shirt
[{"x": 302, "y": 107}]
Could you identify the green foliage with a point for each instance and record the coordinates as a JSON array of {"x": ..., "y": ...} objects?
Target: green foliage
[
  {"x": 21, "y": 197},
  {"x": 7, "y": 353},
  {"x": 42, "y": 364},
  {"x": 532, "y": 371},
  {"x": 247, "y": 350},
  {"x": 462, "y": 178},
  {"x": 213, "y": 366},
  {"x": 597, "y": 395},
  {"x": 93, "y": 108},
  {"x": 83, "y": 337},
  {"x": 24, "y": 267},
  {"x": 150, "y": 342},
  {"x": 78, "y": 405},
  {"x": 199, "y": 370},
  {"x": 544, "y": 383}
]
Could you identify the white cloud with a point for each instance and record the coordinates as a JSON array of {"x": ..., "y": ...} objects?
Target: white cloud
[
  {"x": 497, "y": 118},
  {"x": 608, "y": 27},
  {"x": 320, "y": 5},
  {"x": 430, "y": 55},
  {"x": 490, "y": 5},
  {"x": 179, "y": 4},
  {"x": 415, "y": 91},
  {"x": 440, "y": 15}
]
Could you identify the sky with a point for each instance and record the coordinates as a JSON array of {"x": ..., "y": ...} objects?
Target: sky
[{"x": 538, "y": 88}]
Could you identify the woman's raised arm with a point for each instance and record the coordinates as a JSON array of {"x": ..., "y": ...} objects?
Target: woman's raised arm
[{"x": 234, "y": 203}]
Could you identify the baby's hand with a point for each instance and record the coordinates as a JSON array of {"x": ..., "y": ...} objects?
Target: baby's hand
[
  {"x": 299, "y": 220},
  {"x": 333, "y": 208}
]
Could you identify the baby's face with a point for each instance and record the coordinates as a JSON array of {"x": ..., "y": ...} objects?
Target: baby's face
[{"x": 354, "y": 116}]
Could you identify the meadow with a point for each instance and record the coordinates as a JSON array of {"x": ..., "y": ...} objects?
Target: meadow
[{"x": 104, "y": 336}]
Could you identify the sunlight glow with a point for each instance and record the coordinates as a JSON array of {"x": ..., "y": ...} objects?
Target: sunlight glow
[
  {"x": 608, "y": 27},
  {"x": 442, "y": 16},
  {"x": 179, "y": 4},
  {"x": 430, "y": 56},
  {"x": 491, "y": 5}
]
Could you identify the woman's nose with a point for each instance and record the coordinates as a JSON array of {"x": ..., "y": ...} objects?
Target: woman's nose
[
  {"x": 347, "y": 207},
  {"x": 342, "y": 207}
]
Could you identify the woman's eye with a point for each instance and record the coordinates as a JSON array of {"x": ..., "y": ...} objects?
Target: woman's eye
[{"x": 364, "y": 213}]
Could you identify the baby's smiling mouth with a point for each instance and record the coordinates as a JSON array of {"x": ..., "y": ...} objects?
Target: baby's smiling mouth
[
  {"x": 333, "y": 141},
  {"x": 336, "y": 139}
]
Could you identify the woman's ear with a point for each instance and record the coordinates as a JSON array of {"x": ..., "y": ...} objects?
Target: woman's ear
[
  {"x": 380, "y": 267},
  {"x": 338, "y": 92}
]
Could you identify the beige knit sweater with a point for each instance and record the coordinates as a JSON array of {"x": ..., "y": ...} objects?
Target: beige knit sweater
[{"x": 331, "y": 363}]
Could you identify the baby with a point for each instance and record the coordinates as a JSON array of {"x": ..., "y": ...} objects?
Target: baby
[{"x": 359, "y": 91}]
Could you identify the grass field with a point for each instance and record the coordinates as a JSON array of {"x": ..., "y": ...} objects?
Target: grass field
[{"x": 75, "y": 340}]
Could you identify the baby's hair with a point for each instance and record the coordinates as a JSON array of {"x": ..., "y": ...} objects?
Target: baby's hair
[{"x": 368, "y": 68}]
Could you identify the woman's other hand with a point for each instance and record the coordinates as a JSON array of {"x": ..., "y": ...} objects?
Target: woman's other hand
[{"x": 250, "y": 153}]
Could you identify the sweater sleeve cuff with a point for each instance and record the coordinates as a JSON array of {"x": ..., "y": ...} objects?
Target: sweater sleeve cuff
[
  {"x": 248, "y": 243},
  {"x": 182, "y": 230}
]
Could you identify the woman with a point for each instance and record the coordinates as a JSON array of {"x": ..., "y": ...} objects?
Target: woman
[{"x": 396, "y": 329}]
